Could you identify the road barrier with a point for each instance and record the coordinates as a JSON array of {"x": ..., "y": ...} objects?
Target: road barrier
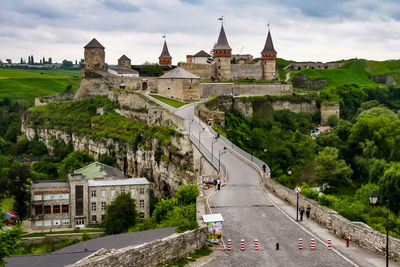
[
  {"x": 329, "y": 244},
  {"x": 312, "y": 244},
  {"x": 242, "y": 245},
  {"x": 229, "y": 245},
  {"x": 255, "y": 244},
  {"x": 300, "y": 244}
]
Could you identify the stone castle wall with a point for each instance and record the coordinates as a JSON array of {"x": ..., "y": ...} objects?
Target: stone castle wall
[
  {"x": 102, "y": 86},
  {"x": 156, "y": 253},
  {"x": 243, "y": 71},
  {"x": 210, "y": 89},
  {"x": 40, "y": 101},
  {"x": 204, "y": 71},
  {"x": 314, "y": 65},
  {"x": 180, "y": 89},
  {"x": 328, "y": 109},
  {"x": 359, "y": 233},
  {"x": 305, "y": 107}
]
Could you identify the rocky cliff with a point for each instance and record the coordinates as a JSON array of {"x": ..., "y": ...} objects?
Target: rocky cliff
[{"x": 166, "y": 166}]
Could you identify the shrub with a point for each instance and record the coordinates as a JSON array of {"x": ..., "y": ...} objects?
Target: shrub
[{"x": 187, "y": 194}]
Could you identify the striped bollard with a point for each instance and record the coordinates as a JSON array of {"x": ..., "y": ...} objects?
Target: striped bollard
[
  {"x": 229, "y": 246},
  {"x": 255, "y": 244},
  {"x": 242, "y": 245},
  {"x": 312, "y": 244},
  {"x": 300, "y": 244},
  {"x": 329, "y": 244}
]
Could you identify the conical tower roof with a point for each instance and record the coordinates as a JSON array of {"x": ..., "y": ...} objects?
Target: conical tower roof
[
  {"x": 165, "y": 53},
  {"x": 222, "y": 41},
  {"x": 94, "y": 44},
  {"x": 124, "y": 58},
  {"x": 269, "y": 46}
]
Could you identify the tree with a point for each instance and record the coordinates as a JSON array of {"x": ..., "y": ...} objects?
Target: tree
[
  {"x": 121, "y": 215},
  {"x": 8, "y": 238},
  {"x": 20, "y": 179},
  {"x": 187, "y": 194},
  {"x": 389, "y": 186},
  {"x": 150, "y": 69},
  {"x": 67, "y": 64},
  {"x": 74, "y": 161}
]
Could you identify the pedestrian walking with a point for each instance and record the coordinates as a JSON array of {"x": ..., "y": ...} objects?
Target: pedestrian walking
[
  {"x": 219, "y": 184},
  {"x": 301, "y": 211},
  {"x": 308, "y": 210},
  {"x": 264, "y": 167}
]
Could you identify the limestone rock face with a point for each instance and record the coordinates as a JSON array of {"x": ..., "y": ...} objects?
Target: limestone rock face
[
  {"x": 167, "y": 173},
  {"x": 302, "y": 81}
]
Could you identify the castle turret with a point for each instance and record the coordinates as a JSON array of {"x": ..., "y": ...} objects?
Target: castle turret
[
  {"x": 94, "y": 57},
  {"x": 124, "y": 62},
  {"x": 165, "y": 58},
  {"x": 222, "y": 55},
  {"x": 268, "y": 56}
]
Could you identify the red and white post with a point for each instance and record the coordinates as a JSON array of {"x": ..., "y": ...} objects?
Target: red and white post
[
  {"x": 242, "y": 245},
  {"x": 312, "y": 244},
  {"x": 229, "y": 245},
  {"x": 255, "y": 244},
  {"x": 329, "y": 244},
  {"x": 300, "y": 244}
]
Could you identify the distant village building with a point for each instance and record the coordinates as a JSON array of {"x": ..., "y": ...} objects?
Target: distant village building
[
  {"x": 81, "y": 200},
  {"x": 179, "y": 84}
]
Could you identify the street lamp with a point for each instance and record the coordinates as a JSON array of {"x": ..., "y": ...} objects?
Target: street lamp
[
  {"x": 213, "y": 140},
  {"x": 219, "y": 158},
  {"x": 373, "y": 199},
  {"x": 200, "y": 130},
  {"x": 289, "y": 171}
]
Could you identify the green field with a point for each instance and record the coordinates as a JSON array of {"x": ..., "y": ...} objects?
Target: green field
[
  {"x": 23, "y": 85},
  {"x": 171, "y": 102}
]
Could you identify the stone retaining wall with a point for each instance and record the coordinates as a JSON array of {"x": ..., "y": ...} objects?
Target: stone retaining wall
[
  {"x": 55, "y": 237},
  {"x": 210, "y": 89},
  {"x": 153, "y": 253},
  {"x": 40, "y": 101},
  {"x": 359, "y": 233}
]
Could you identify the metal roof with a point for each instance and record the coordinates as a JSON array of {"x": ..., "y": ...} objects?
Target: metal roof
[
  {"x": 99, "y": 170},
  {"x": 124, "y": 58},
  {"x": 128, "y": 181},
  {"x": 269, "y": 46},
  {"x": 217, "y": 217},
  {"x": 94, "y": 44},
  {"x": 222, "y": 41},
  {"x": 123, "y": 70},
  {"x": 178, "y": 73},
  {"x": 202, "y": 53},
  {"x": 50, "y": 183},
  {"x": 165, "y": 52}
]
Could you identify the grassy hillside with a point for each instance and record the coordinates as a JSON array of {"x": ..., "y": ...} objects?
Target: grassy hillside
[{"x": 24, "y": 85}]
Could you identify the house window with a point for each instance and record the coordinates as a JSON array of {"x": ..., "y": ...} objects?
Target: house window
[
  {"x": 142, "y": 215},
  {"x": 64, "y": 196},
  {"x": 47, "y": 197},
  {"x": 103, "y": 205},
  {"x": 94, "y": 218},
  {"x": 102, "y": 217},
  {"x": 65, "y": 222},
  {"x": 103, "y": 193},
  {"x": 57, "y": 222},
  {"x": 38, "y": 223},
  {"x": 65, "y": 208},
  {"x": 56, "y": 209},
  {"x": 142, "y": 203},
  {"x": 47, "y": 223},
  {"x": 93, "y": 205},
  {"x": 132, "y": 192},
  {"x": 93, "y": 193},
  {"x": 47, "y": 209},
  {"x": 112, "y": 193},
  {"x": 142, "y": 191},
  {"x": 56, "y": 196},
  {"x": 122, "y": 191},
  {"x": 38, "y": 197},
  {"x": 38, "y": 210}
]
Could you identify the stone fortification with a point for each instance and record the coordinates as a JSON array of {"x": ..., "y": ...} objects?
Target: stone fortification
[
  {"x": 204, "y": 71},
  {"x": 302, "y": 81},
  {"x": 313, "y": 65},
  {"x": 40, "y": 101},
  {"x": 102, "y": 86},
  {"x": 389, "y": 79},
  {"x": 329, "y": 109},
  {"x": 210, "y": 89},
  {"x": 166, "y": 176},
  {"x": 243, "y": 71},
  {"x": 156, "y": 253},
  {"x": 305, "y": 107},
  {"x": 359, "y": 233}
]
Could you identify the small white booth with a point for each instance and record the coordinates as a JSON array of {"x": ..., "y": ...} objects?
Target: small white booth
[{"x": 214, "y": 226}]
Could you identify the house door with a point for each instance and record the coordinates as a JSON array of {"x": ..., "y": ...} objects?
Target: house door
[{"x": 80, "y": 223}]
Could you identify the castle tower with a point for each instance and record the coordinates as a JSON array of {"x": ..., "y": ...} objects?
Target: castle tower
[
  {"x": 124, "y": 62},
  {"x": 165, "y": 58},
  {"x": 222, "y": 56},
  {"x": 94, "y": 57},
  {"x": 268, "y": 56}
]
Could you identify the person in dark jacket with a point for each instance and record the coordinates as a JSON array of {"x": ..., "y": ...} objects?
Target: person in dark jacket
[
  {"x": 308, "y": 210},
  {"x": 301, "y": 211}
]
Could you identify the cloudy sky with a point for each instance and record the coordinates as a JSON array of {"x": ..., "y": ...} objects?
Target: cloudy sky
[{"x": 317, "y": 30}]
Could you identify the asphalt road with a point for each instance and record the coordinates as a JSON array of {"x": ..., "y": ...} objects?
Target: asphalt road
[{"x": 249, "y": 215}]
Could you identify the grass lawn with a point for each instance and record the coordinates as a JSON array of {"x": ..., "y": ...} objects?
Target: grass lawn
[
  {"x": 24, "y": 85},
  {"x": 92, "y": 230},
  {"x": 171, "y": 102}
]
